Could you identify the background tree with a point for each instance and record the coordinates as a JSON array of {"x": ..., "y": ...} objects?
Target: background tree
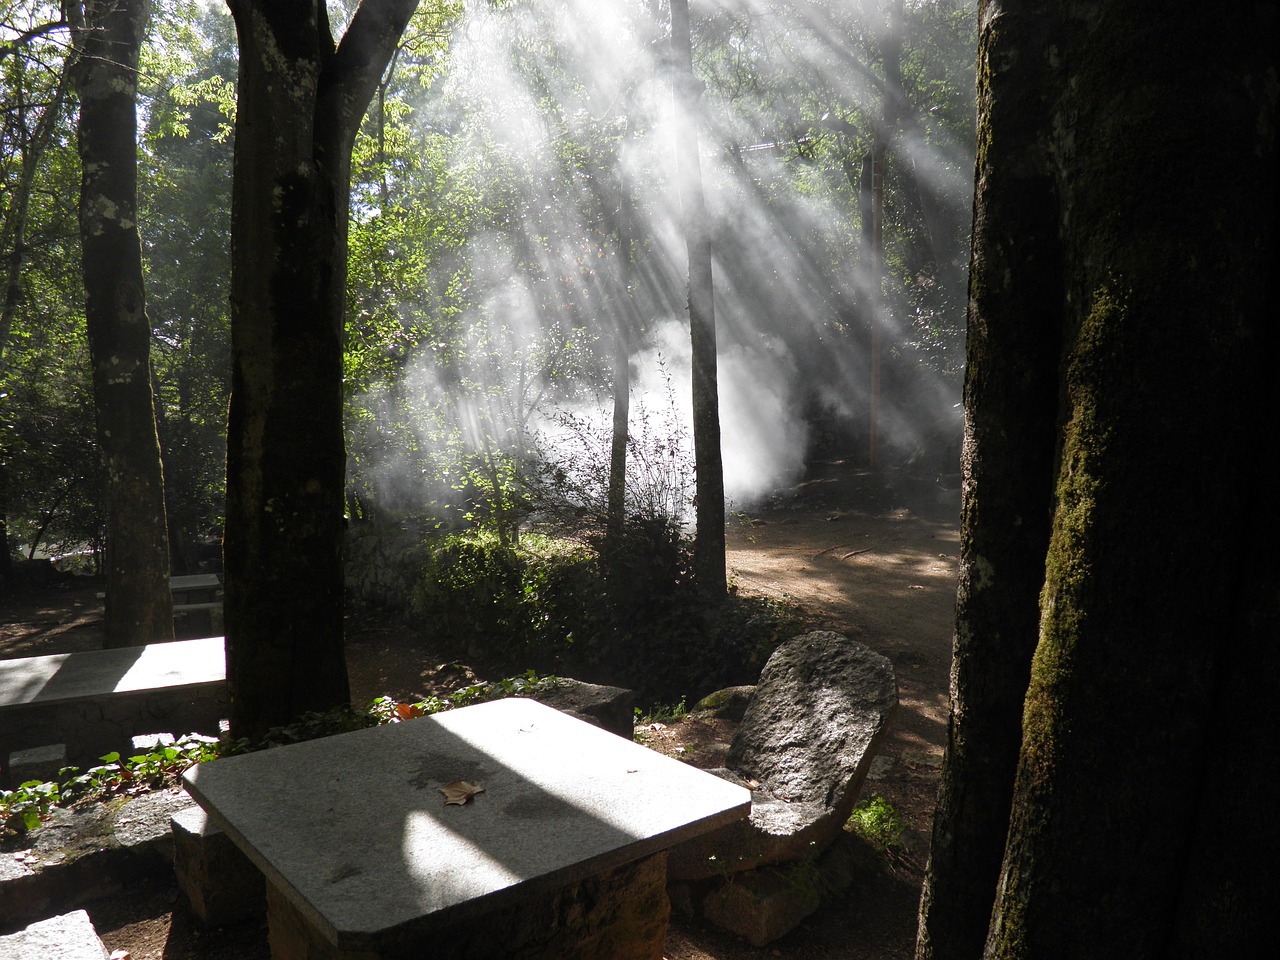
[
  {"x": 708, "y": 545},
  {"x": 139, "y": 606},
  {"x": 36, "y": 88},
  {"x": 285, "y": 454},
  {"x": 189, "y": 72},
  {"x": 1115, "y": 658}
]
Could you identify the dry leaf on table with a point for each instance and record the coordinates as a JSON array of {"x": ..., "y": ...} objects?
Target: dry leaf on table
[{"x": 459, "y": 792}]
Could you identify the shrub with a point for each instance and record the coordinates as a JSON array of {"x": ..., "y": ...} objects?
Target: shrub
[
  {"x": 875, "y": 819},
  {"x": 508, "y": 601},
  {"x": 636, "y": 620}
]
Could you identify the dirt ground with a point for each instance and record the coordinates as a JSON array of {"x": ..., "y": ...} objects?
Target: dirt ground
[{"x": 871, "y": 556}]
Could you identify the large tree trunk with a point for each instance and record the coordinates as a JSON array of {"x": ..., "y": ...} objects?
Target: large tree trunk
[
  {"x": 1120, "y": 328},
  {"x": 300, "y": 104},
  {"x": 709, "y": 544},
  {"x": 139, "y": 608},
  {"x": 1011, "y": 409}
]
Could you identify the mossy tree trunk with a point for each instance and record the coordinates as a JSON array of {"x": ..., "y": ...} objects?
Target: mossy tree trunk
[
  {"x": 139, "y": 607},
  {"x": 300, "y": 102},
  {"x": 1107, "y": 785}
]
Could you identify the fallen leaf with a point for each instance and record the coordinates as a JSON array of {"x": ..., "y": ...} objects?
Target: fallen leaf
[
  {"x": 459, "y": 792},
  {"x": 409, "y": 711}
]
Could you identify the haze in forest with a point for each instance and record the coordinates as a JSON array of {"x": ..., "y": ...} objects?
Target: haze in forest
[
  {"x": 565, "y": 111},
  {"x": 511, "y": 156}
]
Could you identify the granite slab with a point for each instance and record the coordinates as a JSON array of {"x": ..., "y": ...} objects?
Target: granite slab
[
  {"x": 87, "y": 674},
  {"x": 194, "y": 581},
  {"x": 67, "y": 937},
  {"x": 355, "y": 832}
]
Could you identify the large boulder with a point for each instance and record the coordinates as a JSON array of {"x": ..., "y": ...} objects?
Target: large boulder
[{"x": 804, "y": 746}]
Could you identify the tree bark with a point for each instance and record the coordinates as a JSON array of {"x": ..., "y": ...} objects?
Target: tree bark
[
  {"x": 300, "y": 103},
  {"x": 626, "y": 322},
  {"x": 1120, "y": 325},
  {"x": 139, "y": 607},
  {"x": 709, "y": 542},
  {"x": 1011, "y": 411}
]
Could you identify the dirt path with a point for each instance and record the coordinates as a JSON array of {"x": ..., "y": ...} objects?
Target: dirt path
[{"x": 870, "y": 558}]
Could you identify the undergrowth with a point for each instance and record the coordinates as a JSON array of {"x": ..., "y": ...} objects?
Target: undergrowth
[
  {"x": 874, "y": 819},
  {"x": 623, "y": 612},
  {"x": 25, "y": 807}
]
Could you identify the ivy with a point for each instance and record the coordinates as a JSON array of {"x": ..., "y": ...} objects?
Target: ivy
[{"x": 31, "y": 803}]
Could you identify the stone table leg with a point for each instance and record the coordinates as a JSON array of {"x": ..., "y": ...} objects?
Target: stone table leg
[{"x": 620, "y": 914}]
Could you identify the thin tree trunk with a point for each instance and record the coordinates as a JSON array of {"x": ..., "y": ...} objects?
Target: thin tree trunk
[
  {"x": 616, "y": 513},
  {"x": 139, "y": 608},
  {"x": 709, "y": 542}
]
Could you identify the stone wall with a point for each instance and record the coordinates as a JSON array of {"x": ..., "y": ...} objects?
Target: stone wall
[{"x": 383, "y": 562}]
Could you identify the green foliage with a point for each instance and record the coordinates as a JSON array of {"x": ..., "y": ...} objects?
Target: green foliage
[
  {"x": 663, "y": 712},
  {"x": 24, "y": 808},
  {"x": 185, "y": 204},
  {"x": 875, "y": 819},
  {"x": 549, "y": 601},
  {"x": 499, "y": 597},
  {"x": 527, "y": 685}
]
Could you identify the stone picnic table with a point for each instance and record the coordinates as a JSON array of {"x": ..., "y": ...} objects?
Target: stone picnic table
[
  {"x": 195, "y": 587},
  {"x": 562, "y": 855},
  {"x": 93, "y": 701},
  {"x": 197, "y": 603}
]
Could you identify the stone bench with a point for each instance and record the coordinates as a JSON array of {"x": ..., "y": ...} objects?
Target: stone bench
[
  {"x": 563, "y": 853},
  {"x": 804, "y": 745},
  {"x": 96, "y": 701}
]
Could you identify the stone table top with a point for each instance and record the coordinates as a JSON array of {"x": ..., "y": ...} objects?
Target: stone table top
[
  {"x": 354, "y": 830},
  {"x": 195, "y": 581},
  {"x": 47, "y": 680}
]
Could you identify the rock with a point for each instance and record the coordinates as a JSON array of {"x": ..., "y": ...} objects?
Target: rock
[
  {"x": 37, "y": 763},
  {"x": 762, "y": 905},
  {"x": 727, "y": 704},
  {"x": 815, "y": 721},
  {"x": 67, "y": 937},
  {"x": 92, "y": 851},
  {"x": 610, "y": 708},
  {"x": 808, "y": 736}
]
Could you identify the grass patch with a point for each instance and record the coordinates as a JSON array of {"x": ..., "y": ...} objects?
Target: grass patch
[{"x": 875, "y": 820}]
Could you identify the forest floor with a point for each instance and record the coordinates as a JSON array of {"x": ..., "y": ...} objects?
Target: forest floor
[{"x": 871, "y": 556}]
